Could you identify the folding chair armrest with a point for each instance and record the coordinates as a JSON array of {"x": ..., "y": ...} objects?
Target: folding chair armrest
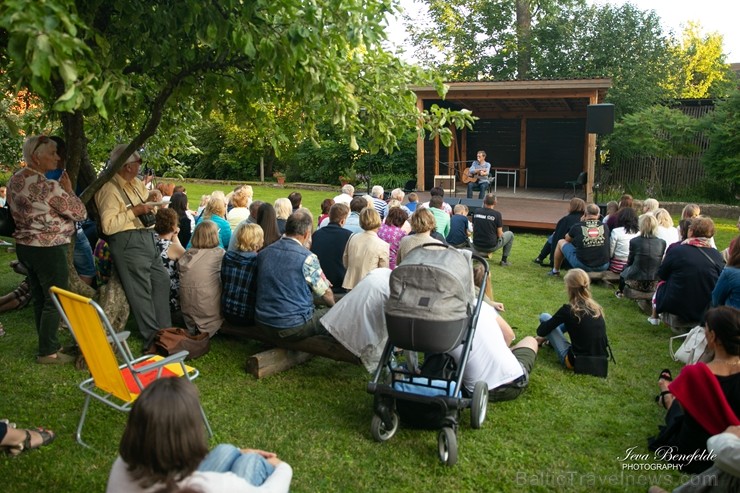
[{"x": 173, "y": 358}]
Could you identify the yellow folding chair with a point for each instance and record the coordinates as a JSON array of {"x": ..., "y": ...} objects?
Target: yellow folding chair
[{"x": 115, "y": 385}]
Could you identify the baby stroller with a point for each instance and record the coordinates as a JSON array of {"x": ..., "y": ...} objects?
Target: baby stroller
[{"x": 432, "y": 309}]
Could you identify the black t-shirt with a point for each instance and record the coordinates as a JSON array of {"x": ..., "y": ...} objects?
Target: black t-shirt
[
  {"x": 485, "y": 227},
  {"x": 587, "y": 336},
  {"x": 591, "y": 239},
  {"x": 458, "y": 230}
]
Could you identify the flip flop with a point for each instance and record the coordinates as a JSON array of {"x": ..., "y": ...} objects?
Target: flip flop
[{"x": 47, "y": 436}]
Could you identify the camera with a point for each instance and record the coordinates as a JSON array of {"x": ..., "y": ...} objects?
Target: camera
[{"x": 148, "y": 219}]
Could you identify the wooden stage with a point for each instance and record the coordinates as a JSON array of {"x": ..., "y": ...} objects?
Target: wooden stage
[{"x": 534, "y": 209}]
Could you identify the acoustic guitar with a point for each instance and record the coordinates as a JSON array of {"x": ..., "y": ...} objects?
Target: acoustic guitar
[{"x": 466, "y": 178}]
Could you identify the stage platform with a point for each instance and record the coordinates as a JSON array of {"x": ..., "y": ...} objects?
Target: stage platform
[{"x": 533, "y": 208}]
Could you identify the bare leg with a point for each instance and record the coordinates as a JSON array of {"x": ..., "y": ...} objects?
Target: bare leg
[
  {"x": 528, "y": 342},
  {"x": 558, "y": 257}
]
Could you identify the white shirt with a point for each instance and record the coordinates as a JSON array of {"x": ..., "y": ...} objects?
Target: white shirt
[
  {"x": 619, "y": 243},
  {"x": 120, "y": 481},
  {"x": 342, "y": 198},
  {"x": 357, "y": 321},
  {"x": 669, "y": 235},
  {"x": 490, "y": 358}
]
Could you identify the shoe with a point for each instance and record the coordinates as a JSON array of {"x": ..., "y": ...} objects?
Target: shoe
[
  {"x": 654, "y": 321},
  {"x": 537, "y": 261},
  {"x": 505, "y": 263},
  {"x": 554, "y": 273},
  {"x": 4, "y": 243},
  {"x": 619, "y": 294},
  {"x": 59, "y": 359}
]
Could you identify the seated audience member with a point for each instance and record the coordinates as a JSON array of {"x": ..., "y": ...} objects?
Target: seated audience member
[
  {"x": 201, "y": 207},
  {"x": 15, "y": 441},
  {"x": 364, "y": 251},
  {"x": 252, "y": 219},
  {"x": 167, "y": 189},
  {"x": 295, "y": 199},
  {"x": 665, "y": 230},
  {"x": 325, "y": 206},
  {"x": 238, "y": 275},
  {"x": 215, "y": 212},
  {"x": 619, "y": 239},
  {"x": 413, "y": 202},
  {"x": 392, "y": 232},
  {"x": 200, "y": 281},
  {"x": 690, "y": 271},
  {"x": 649, "y": 206},
  {"x": 357, "y": 321},
  {"x": 438, "y": 192},
  {"x": 328, "y": 244},
  {"x": 488, "y": 233},
  {"x": 724, "y": 475},
  {"x": 185, "y": 219},
  {"x": 132, "y": 246},
  {"x": 505, "y": 369},
  {"x": 165, "y": 448},
  {"x": 460, "y": 228},
  {"x": 267, "y": 220},
  {"x": 348, "y": 192},
  {"x": 585, "y": 246},
  {"x": 625, "y": 201},
  {"x": 576, "y": 208},
  {"x": 170, "y": 250},
  {"x": 422, "y": 225},
  {"x": 646, "y": 253},
  {"x": 727, "y": 289},
  {"x": 396, "y": 198},
  {"x": 288, "y": 276},
  {"x": 353, "y": 220},
  {"x": 582, "y": 318},
  {"x": 611, "y": 208},
  {"x": 240, "y": 206},
  {"x": 704, "y": 399},
  {"x": 376, "y": 194},
  {"x": 441, "y": 218},
  {"x": 283, "y": 209}
]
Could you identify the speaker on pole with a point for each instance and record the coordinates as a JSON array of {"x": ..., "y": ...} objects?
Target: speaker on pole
[{"x": 600, "y": 118}]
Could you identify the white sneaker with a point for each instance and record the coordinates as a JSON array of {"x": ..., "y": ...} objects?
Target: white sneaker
[{"x": 654, "y": 321}]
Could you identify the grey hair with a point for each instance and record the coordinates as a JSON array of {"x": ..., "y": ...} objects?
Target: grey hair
[
  {"x": 348, "y": 189},
  {"x": 299, "y": 223},
  {"x": 377, "y": 191}
]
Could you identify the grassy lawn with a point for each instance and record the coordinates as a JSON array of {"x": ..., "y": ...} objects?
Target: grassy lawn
[{"x": 565, "y": 433}]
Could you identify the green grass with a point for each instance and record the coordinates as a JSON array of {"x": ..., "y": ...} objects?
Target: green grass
[{"x": 565, "y": 433}]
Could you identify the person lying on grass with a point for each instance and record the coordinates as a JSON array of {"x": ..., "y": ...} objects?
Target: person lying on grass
[{"x": 164, "y": 448}]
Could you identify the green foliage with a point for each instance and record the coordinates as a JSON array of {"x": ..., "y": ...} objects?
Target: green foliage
[
  {"x": 389, "y": 181},
  {"x": 701, "y": 71},
  {"x": 722, "y": 158}
]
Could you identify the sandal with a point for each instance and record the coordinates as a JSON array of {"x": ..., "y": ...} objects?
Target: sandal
[
  {"x": 660, "y": 399},
  {"x": 47, "y": 436},
  {"x": 665, "y": 374}
]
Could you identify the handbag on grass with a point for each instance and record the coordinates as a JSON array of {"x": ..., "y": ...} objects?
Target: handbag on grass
[
  {"x": 597, "y": 366},
  {"x": 693, "y": 349},
  {"x": 7, "y": 223},
  {"x": 174, "y": 339}
]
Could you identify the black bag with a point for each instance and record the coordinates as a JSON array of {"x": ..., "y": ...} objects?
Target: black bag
[
  {"x": 597, "y": 366},
  {"x": 174, "y": 339},
  {"x": 148, "y": 219},
  {"x": 439, "y": 366},
  {"x": 7, "y": 223}
]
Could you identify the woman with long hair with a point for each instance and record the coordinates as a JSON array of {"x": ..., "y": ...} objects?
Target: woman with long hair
[
  {"x": 170, "y": 250},
  {"x": 582, "y": 318},
  {"x": 164, "y": 449},
  {"x": 620, "y": 237},
  {"x": 267, "y": 220},
  {"x": 186, "y": 221},
  {"x": 283, "y": 209}
]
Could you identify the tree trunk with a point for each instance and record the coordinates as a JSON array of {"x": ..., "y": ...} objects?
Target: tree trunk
[{"x": 523, "y": 38}]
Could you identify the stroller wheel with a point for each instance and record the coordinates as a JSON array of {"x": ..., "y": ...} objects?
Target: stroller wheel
[
  {"x": 479, "y": 405},
  {"x": 380, "y": 432},
  {"x": 447, "y": 442}
]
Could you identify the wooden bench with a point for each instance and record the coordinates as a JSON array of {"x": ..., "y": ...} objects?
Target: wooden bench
[
  {"x": 287, "y": 354},
  {"x": 607, "y": 277},
  {"x": 677, "y": 324}
]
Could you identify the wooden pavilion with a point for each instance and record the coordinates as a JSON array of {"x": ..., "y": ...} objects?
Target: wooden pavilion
[{"x": 533, "y": 130}]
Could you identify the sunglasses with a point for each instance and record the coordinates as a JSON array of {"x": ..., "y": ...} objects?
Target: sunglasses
[{"x": 43, "y": 139}]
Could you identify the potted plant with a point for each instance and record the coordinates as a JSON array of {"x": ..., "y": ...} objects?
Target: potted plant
[{"x": 279, "y": 176}]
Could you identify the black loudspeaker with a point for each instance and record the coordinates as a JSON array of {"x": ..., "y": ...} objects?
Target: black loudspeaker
[
  {"x": 472, "y": 204},
  {"x": 600, "y": 118}
]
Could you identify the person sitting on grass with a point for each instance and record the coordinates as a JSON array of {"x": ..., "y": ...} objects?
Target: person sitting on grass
[
  {"x": 164, "y": 448},
  {"x": 238, "y": 276},
  {"x": 413, "y": 202},
  {"x": 488, "y": 233},
  {"x": 585, "y": 246},
  {"x": 441, "y": 218},
  {"x": 15, "y": 441},
  {"x": 576, "y": 208},
  {"x": 460, "y": 228},
  {"x": 582, "y": 318},
  {"x": 704, "y": 399}
]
